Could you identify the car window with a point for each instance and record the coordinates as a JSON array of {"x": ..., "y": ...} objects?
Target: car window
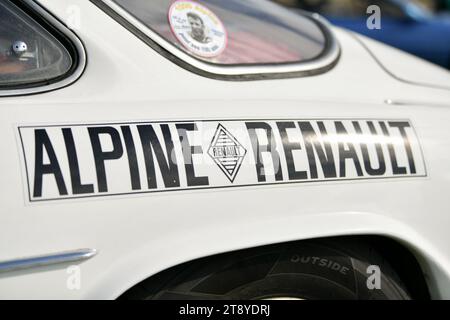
[
  {"x": 231, "y": 32},
  {"x": 28, "y": 53}
]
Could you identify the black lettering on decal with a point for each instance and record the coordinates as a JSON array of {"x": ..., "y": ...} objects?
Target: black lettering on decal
[
  {"x": 132, "y": 159},
  {"x": 396, "y": 169},
  {"x": 258, "y": 149},
  {"x": 167, "y": 165},
  {"x": 348, "y": 152},
  {"x": 188, "y": 151},
  {"x": 401, "y": 127},
  {"x": 101, "y": 156},
  {"x": 323, "y": 150},
  {"x": 149, "y": 157},
  {"x": 77, "y": 186},
  {"x": 288, "y": 148},
  {"x": 366, "y": 157},
  {"x": 42, "y": 141}
]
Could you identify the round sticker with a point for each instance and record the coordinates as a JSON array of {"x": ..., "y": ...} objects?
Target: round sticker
[{"x": 197, "y": 28}]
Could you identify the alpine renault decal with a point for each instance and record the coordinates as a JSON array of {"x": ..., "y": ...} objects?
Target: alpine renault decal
[{"x": 89, "y": 160}]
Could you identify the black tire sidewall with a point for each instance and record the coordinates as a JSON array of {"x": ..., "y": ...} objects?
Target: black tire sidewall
[{"x": 310, "y": 270}]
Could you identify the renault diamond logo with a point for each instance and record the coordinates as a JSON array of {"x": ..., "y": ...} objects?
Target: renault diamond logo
[{"x": 226, "y": 152}]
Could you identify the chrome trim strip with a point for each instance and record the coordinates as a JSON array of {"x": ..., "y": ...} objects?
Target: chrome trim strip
[
  {"x": 415, "y": 103},
  {"x": 82, "y": 59},
  {"x": 47, "y": 260},
  {"x": 322, "y": 64}
]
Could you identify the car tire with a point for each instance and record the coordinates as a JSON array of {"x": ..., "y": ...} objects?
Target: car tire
[{"x": 310, "y": 270}]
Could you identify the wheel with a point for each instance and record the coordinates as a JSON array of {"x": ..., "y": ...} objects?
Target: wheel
[{"x": 331, "y": 269}]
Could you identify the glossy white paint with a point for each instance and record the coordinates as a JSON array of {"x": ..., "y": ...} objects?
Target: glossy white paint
[
  {"x": 399, "y": 63},
  {"x": 138, "y": 236}
]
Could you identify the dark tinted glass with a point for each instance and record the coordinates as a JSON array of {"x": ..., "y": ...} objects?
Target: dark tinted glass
[{"x": 231, "y": 32}]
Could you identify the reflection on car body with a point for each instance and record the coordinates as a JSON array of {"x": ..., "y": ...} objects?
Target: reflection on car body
[{"x": 405, "y": 24}]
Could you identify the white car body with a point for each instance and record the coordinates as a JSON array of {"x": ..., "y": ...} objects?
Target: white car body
[{"x": 138, "y": 235}]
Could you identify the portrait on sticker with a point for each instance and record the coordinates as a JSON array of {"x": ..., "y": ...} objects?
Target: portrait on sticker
[{"x": 197, "y": 28}]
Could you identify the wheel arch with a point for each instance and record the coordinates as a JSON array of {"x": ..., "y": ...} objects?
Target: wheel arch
[
  {"x": 399, "y": 255},
  {"x": 177, "y": 245}
]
